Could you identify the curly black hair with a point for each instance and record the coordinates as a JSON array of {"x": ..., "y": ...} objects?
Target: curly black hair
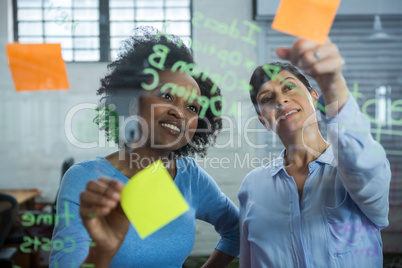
[{"x": 126, "y": 74}]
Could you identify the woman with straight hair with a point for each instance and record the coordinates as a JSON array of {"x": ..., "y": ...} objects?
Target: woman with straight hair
[{"x": 320, "y": 203}]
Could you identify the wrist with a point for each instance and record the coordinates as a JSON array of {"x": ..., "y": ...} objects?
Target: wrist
[{"x": 335, "y": 95}]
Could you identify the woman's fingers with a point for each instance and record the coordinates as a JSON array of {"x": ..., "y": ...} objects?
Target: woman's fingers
[
  {"x": 94, "y": 205},
  {"x": 327, "y": 66},
  {"x": 94, "y": 211},
  {"x": 283, "y": 52},
  {"x": 311, "y": 57},
  {"x": 299, "y": 48},
  {"x": 92, "y": 199},
  {"x": 100, "y": 197},
  {"x": 106, "y": 187},
  {"x": 113, "y": 184}
]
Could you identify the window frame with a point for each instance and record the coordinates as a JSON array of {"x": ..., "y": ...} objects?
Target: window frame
[{"x": 104, "y": 22}]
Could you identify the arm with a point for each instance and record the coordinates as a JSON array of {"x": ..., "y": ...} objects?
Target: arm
[
  {"x": 362, "y": 164},
  {"x": 327, "y": 71},
  {"x": 218, "y": 259},
  {"x": 104, "y": 220},
  {"x": 71, "y": 227}
]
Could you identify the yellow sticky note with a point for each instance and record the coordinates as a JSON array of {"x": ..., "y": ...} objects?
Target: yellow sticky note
[
  {"x": 37, "y": 66},
  {"x": 151, "y": 199},
  {"x": 308, "y": 19}
]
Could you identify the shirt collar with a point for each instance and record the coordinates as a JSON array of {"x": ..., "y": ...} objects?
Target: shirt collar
[
  {"x": 326, "y": 158},
  {"x": 277, "y": 163}
]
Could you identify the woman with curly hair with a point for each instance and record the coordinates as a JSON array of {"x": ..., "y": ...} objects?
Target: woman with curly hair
[{"x": 174, "y": 123}]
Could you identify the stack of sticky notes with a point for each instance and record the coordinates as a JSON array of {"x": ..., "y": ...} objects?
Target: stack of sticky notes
[{"x": 151, "y": 199}]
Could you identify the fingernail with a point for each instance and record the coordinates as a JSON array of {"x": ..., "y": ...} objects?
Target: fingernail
[{"x": 116, "y": 195}]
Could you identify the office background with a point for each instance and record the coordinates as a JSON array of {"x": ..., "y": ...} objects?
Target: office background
[{"x": 34, "y": 141}]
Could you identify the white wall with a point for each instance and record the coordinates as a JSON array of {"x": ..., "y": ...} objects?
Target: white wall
[{"x": 33, "y": 140}]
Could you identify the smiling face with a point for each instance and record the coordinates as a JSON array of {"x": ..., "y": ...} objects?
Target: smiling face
[
  {"x": 170, "y": 111},
  {"x": 285, "y": 103}
]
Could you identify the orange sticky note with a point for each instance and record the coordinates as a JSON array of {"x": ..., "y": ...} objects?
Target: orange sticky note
[
  {"x": 37, "y": 66},
  {"x": 308, "y": 19},
  {"x": 151, "y": 199}
]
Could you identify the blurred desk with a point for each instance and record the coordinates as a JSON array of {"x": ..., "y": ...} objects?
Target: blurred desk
[{"x": 25, "y": 198}]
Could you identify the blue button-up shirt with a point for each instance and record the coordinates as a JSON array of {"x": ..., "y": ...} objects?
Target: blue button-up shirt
[{"x": 343, "y": 207}]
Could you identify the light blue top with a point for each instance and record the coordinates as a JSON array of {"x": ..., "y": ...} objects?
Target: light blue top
[
  {"x": 344, "y": 204},
  {"x": 167, "y": 247}
]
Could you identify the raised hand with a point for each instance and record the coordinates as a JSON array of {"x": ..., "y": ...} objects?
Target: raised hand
[
  {"x": 322, "y": 62},
  {"x": 103, "y": 218}
]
